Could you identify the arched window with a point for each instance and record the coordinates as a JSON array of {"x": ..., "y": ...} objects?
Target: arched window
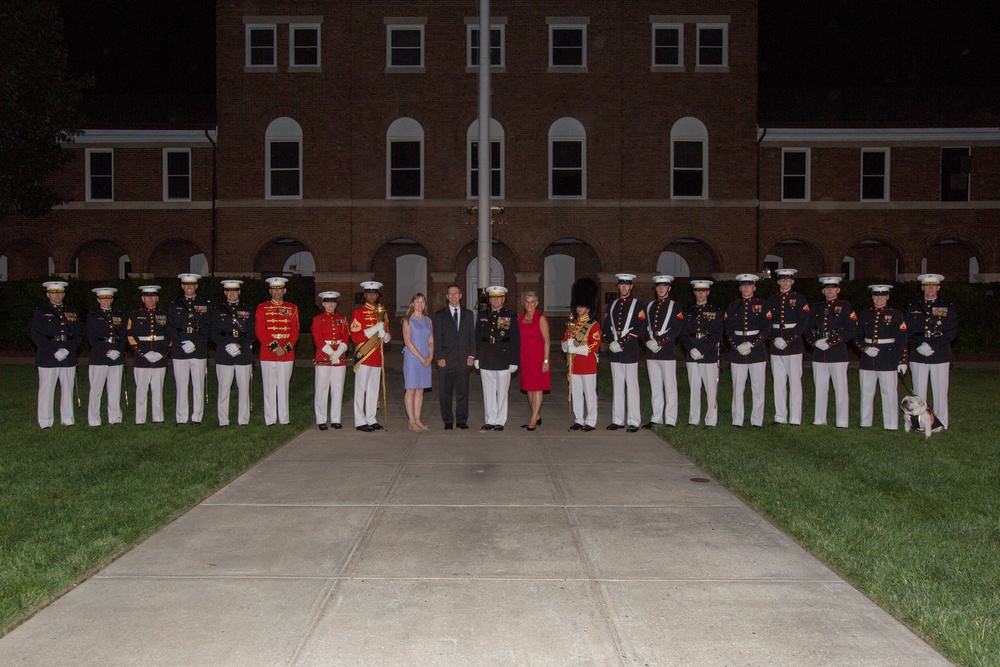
[
  {"x": 283, "y": 160},
  {"x": 411, "y": 277},
  {"x": 404, "y": 160},
  {"x": 472, "y": 280},
  {"x": 496, "y": 161},
  {"x": 299, "y": 264},
  {"x": 560, "y": 273},
  {"x": 567, "y": 160},
  {"x": 672, "y": 264},
  {"x": 689, "y": 159}
]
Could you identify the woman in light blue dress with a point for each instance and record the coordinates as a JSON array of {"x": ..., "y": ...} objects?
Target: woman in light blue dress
[{"x": 418, "y": 352}]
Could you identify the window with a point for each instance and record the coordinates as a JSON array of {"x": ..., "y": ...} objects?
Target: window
[
  {"x": 668, "y": 45},
  {"x": 713, "y": 47},
  {"x": 283, "y": 157},
  {"x": 795, "y": 174},
  {"x": 262, "y": 46},
  {"x": 303, "y": 45},
  {"x": 496, "y": 160},
  {"x": 405, "y": 160},
  {"x": 496, "y": 46},
  {"x": 100, "y": 175},
  {"x": 875, "y": 174},
  {"x": 689, "y": 159},
  {"x": 177, "y": 174},
  {"x": 567, "y": 160},
  {"x": 404, "y": 46},
  {"x": 956, "y": 165},
  {"x": 567, "y": 43}
]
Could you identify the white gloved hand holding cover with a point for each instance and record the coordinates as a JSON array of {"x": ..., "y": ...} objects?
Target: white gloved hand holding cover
[
  {"x": 653, "y": 345},
  {"x": 61, "y": 354},
  {"x": 821, "y": 344},
  {"x": 153, "y": 356},
  {"x": 695, "y": 354},
  {"x": 113, "y": 355},
  {"x": 744, "y": 348},
  {"x": 615, "y": 347},
  {"x": 925, "y": 349},
  {"x": 871, "y": 351},
  {"x": 780, "y": 343},
  {"x": 187, "y": 346},
  {"x": 233, "y": 349}
]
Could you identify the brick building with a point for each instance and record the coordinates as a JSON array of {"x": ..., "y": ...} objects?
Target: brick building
[{"x": 627, "y": 135}]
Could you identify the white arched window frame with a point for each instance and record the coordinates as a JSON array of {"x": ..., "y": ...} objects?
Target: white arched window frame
[
  {"x": 688, "y": 159},
  {"x": 404, "y": 160},
  {"x": 567, "y": 160},
  {"x": 672, "y": 264},
  {"x": 560, "y": 274},
  {"x": 472, "y": 280},
  {"x": 283, "y": 160},
  {"x": 496, "y": 160}
]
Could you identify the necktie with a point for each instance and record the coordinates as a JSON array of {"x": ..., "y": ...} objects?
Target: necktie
[{"x": 454, "y": 313}]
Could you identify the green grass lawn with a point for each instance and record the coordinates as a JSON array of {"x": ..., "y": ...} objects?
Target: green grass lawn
[
  {"x": 913, "y": 524},
  {"x": 76, "y": 497}
]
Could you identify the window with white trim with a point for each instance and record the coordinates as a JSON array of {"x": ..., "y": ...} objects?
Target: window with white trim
[
  {"x": 713, "y": 45},
  {"x": 404, "y": 45},
  {"x": 496, "y": 160},
  {"x": 956, "y": 166},
  {"x": 303, "y": 45},
  {"x": 874, "y": 174},
  {"x": 668, "y": 45},
  {"x": 100, "y": 174},
  {"x": 176, "y": 174},
  {"x": 567, "y": 45},
  {"x": 794, "y": 174},
  {"x": 688, "y": 159},
  {"x": 567, "y": 160},
  {"x": 261, "y": 45},
  {"x": 497, "y": 55},
  {"x": 283, "y": 160},
  {"x": 404, "y": 160}
]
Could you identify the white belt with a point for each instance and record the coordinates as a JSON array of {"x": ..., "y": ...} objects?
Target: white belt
[
  {"x": 747, "y": 333},
  {"x": 151, "y": 338},
  {"x": 879, "y": 341},
  {"x": 784, "y": 326}
]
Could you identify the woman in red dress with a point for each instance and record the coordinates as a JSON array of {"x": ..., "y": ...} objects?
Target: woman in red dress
[{"x": 535, "y": 376}]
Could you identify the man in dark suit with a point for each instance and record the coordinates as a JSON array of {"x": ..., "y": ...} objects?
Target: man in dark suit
[{"x": 454, "y": 350}]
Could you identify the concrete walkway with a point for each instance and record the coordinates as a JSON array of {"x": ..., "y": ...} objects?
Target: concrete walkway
[{"x": 461, "y": 548}]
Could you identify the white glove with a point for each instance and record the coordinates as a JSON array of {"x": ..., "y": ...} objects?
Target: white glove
[
  {"x": 153, "y": 356},
  {"x": 512, "y": 369},
  {"x": 233, "y": 350},
  {"x": 187, "y": 346},
  {"x": 339, "y": 352},
  {"x": 821, "y": 344},
  {"x": 581, "y": 349},
  {"x": 476, "y": 364},
  {"x": 565, "y": 346},
  {"x": 374, "y": 329},
  {"x": 901, "y": 369},
  {"x": 780, "y": 343},
  {"x": 695, "y": 354},
  {"x": 871, "y": 351},
  {"x": 925, "y": 349},
  {"x": 384, "y": 335},
  {"x": 653, "y": 345},
  {"x": 113, "y": 354},
  {"x": 327, "y": 350},
  {"x": 61, "y": 354},
  {"x": 615, "y": 347},
  {"x": 744, "y": 348}
]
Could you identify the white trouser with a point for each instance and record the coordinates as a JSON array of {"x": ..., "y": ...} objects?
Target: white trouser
[
  {"x": 890, "y": 400},
  {"x": 367, "y": 381},
  {"x": 149, "y": 381},
  {"x": 102, "y": 375},
  {"x": 193, "y": 370},
  {"x": 938, "y": 374},
  {"x": 275, "y": 375},
  {"x": 585, "y": 395},
  {"x": 329, "y": 390},
  {"x": 757, "y": 372},
  {"x": 47, "y": 378},
  {"x": 663, "y": 385},
  {"x": 823, "y": 375},
  {"x": 786, "y": 371},
  {"x": 226, "y": 374},
  {"x": 495, "y": 387},
  {"x": 707, "y": 376},
  {"x": 625, "y": 380}
]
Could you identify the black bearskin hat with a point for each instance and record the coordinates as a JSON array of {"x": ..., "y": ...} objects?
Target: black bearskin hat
[{"x": 584, "y": 293}]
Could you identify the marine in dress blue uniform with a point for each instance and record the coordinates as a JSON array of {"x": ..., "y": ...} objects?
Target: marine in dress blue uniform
[
  {"x": 747, "y": 328},
  {"x": 833, "y": 323},
  {"x": 624, "y": 324},
  {"x": 147, "y": 336},
  {"x": 189, "y": 322},
  {"x": 933, "y": 326},
  {"x": 231, "y": 330},
  {"x": 881, "y": 339},
  {"x": 789, "y": 319},
  {"x": 498, "y": 352},
  {"x": 106, "y": 335},
  {"x": 57, "y": 333},
  {"x": 701, "y": 338},
  {"x": 664, "y": 325}
]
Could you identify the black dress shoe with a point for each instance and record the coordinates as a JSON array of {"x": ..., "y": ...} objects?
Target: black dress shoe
[
  {"x": 632, "y": 429},
  {"x": 498, "y": 428},
  {"x": 671, "y": 425},
  {"x": 194, "y": 423},
  {"x": 376, "y": 426},
  {"x": 463, "y": 426},
  {"x": 365, "y": 427},
  {"x": 613, "y": 427},
  {"x": 336, "y": 426},
  {"x": 322, "y": 427},
  {"x": 448, "y": 427},
  {"x": 487, "y": 427},
  {"x": 588, "y": 429},
  {"x": 649, "y": 425},
  {"x": 576, "y": 427}
]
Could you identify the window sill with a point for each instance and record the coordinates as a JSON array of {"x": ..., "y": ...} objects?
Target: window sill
[
  {"x": 666, "y": 68},
  {"x": 493, "y": 70},
  {"x": 568, "y": 69},
  {"x": 406, "y": 70},
  {"x": 712, "y": 69},
  {"x": 260, "y": 69},
  {"x": 305, "y": 68}
]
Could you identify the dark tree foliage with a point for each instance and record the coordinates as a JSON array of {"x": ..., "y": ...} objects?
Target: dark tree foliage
[{"x": 38, "y": 106}]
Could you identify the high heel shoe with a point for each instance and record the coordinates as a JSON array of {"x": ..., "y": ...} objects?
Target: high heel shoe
[
  {"x": 414, "y": 427},
  {"x": 423, "y": 427}
]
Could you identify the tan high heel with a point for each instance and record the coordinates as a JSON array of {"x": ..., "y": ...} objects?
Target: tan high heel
[
  {"x": 414, "y": 427},
  {"x": 423, "y": 427}
]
